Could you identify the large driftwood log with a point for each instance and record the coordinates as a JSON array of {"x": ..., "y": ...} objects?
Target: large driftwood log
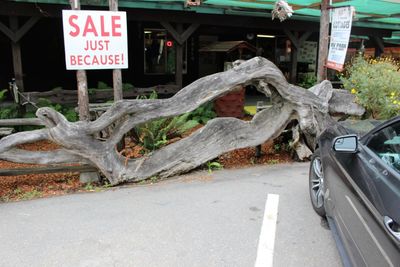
[{"x": 310, "y": 108}]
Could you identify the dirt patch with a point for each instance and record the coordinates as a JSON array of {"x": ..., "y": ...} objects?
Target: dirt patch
[
  {"x": 244, "y": 157},
  {"x": 29, "y": 186}
]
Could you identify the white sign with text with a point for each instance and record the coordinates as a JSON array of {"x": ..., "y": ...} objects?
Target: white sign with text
[
  {"x": 342, "y": 18},
  {"x": 95, "y": 39}
]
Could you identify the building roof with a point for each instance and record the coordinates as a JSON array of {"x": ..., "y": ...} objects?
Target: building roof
[{"x": 384, "y": 14}]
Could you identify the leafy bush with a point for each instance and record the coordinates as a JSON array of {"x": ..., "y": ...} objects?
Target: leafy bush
[
  {"x": 376, "y": 85},
  {"x": 9, "y": 112},
  {"x": 307, "y": 80},
  {"x": 68, "y": 112},
  {"x": 203, "y": 114},
  {"x": 127, "y": 86},
  {"x": 3, "y": 94},
  {"x": 102, "y": 86}
]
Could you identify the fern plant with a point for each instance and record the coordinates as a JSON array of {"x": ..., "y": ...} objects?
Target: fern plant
[
  {"x": 154, "y": 134},
  {"x": 203, "y": 114}
]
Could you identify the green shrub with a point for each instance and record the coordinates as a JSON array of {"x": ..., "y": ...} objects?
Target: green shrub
[
  {"x": 68, "y": 112},
  {"x": 127, "y": 86},
  {"x": 203, "y": 114},
  {"x": 3, "y": 94},
  {"x": 9, "y": 112},
  {"x": 376, "y": 85},
  {"x": 102, "y": 86},
  {"x": 307, "y": 80}
]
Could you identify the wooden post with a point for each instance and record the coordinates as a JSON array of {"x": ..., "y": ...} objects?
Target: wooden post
[
  {"x": 323, "y": 41},
  {"x": 379, "y": 45},
  {"x": 117, "y": 76},
  {"x": 293, "y": 58},
  {"x": 296, "y": 43},
  {"x": 83, "y": 96},
  {"x": 16, "y": 54},
  {"x": 180, "y": 38},
  {"x": 179, "y": 59}
]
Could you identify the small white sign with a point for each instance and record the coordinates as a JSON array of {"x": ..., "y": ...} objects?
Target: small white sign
[
  {"x": 95, "y": 39},
  {"x": 340, "y": 34}
]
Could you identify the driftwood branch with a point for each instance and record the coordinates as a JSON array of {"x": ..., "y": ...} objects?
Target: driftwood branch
[{"x": 310, "y": 108}]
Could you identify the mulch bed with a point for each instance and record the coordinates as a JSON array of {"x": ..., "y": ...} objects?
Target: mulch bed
[{"x": 21, "y": 187}]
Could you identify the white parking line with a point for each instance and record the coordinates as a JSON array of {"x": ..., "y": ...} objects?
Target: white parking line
[{"x": 265, "y": 252}]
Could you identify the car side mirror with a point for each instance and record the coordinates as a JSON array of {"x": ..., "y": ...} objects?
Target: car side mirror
[{"x": 346, "y": 143}]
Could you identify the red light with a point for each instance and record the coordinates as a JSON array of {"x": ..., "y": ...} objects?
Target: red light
[{"x": 169, "y": 43}]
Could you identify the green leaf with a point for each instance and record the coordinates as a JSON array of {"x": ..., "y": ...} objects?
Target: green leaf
[
  {"x": 2, "y": 94},
  {"x": 187, "y": 126}
]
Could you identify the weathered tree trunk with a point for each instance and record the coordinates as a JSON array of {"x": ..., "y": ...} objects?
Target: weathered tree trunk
[{"x": 310, "y": 108}]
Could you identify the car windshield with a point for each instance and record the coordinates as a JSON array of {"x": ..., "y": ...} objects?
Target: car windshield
[{"x": 386, "y": 144}]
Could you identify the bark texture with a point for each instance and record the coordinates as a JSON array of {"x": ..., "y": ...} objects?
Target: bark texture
[{"x": 309, "y": 108}]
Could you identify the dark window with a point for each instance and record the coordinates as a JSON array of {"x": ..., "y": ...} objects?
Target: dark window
[
  {"x": 386, "y": 144},
  {"x": 160, "y": 52}
]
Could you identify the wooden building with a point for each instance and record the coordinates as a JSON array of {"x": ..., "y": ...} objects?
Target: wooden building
[{"x": 164, "y": 38}]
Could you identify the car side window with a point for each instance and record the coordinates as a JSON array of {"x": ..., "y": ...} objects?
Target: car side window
[{"x": 386, "y": 144}]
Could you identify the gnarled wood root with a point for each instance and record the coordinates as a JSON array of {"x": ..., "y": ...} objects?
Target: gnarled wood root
[{"x": 309, "y": 107}]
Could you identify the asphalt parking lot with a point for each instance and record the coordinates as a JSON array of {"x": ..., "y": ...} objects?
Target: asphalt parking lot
[{"x": 199, "y": 219}]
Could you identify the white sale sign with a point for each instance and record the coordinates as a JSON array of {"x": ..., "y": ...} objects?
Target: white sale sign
[
  {"x": 95, "y": 39},
  {"x": 342, "y": 18}
]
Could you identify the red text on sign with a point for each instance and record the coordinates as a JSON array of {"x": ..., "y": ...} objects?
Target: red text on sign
[
  {"x": 96, "y": 60},
  {"x": 89, "y": 27}
]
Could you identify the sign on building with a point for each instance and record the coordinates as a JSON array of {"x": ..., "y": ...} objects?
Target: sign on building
[
  {"x": 342, "y": 18},
  {"x": 95, "y": 39}
]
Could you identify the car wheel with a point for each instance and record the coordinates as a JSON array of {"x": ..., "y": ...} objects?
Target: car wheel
[{"x": 316, "y": 183}]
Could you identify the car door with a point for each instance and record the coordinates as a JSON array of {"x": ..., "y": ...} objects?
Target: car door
[{"x": 368, "y": 206}]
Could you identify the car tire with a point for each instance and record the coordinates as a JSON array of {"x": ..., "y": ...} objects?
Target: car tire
[{"x": 316, "y": 183}]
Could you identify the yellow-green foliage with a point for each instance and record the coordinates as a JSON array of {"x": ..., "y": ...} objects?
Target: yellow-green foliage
[{"x": 376, "y": 85}]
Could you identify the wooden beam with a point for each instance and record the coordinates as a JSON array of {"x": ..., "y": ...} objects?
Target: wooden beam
[
  {"x": 117, "y": 76},
  {"x": 16, "y": 35},
  {"x": 172, "y": 31},
  {"x": 379, "y": 45},
  {"x": 189, "y": 31},
  {"x": 180, "y": 37},
  {"x": 179, "y": 59},
  {"x": 47, "y": 169},
  {"x": 293, "y": 39},
  {"x": 16, "y": 54},
  {"x": 81, "y": 78},
  {"x": 293, "y": 58},
  {"x": 20, "y": 122},
  {"x": 323, "y": 41},
  {"x": 304, "y": 37},
  {"x": 26, "y": 27},
  {"x": 296, "y": 44},
  {"x": 9, "y": 33}
]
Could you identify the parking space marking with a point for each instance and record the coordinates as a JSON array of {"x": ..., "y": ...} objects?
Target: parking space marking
[{"x": 265, "y": 251}]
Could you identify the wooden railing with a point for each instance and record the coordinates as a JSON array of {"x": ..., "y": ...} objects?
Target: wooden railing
[
  {"x": 47, "y": 169},
  {"x": 62, "y": 96}
]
